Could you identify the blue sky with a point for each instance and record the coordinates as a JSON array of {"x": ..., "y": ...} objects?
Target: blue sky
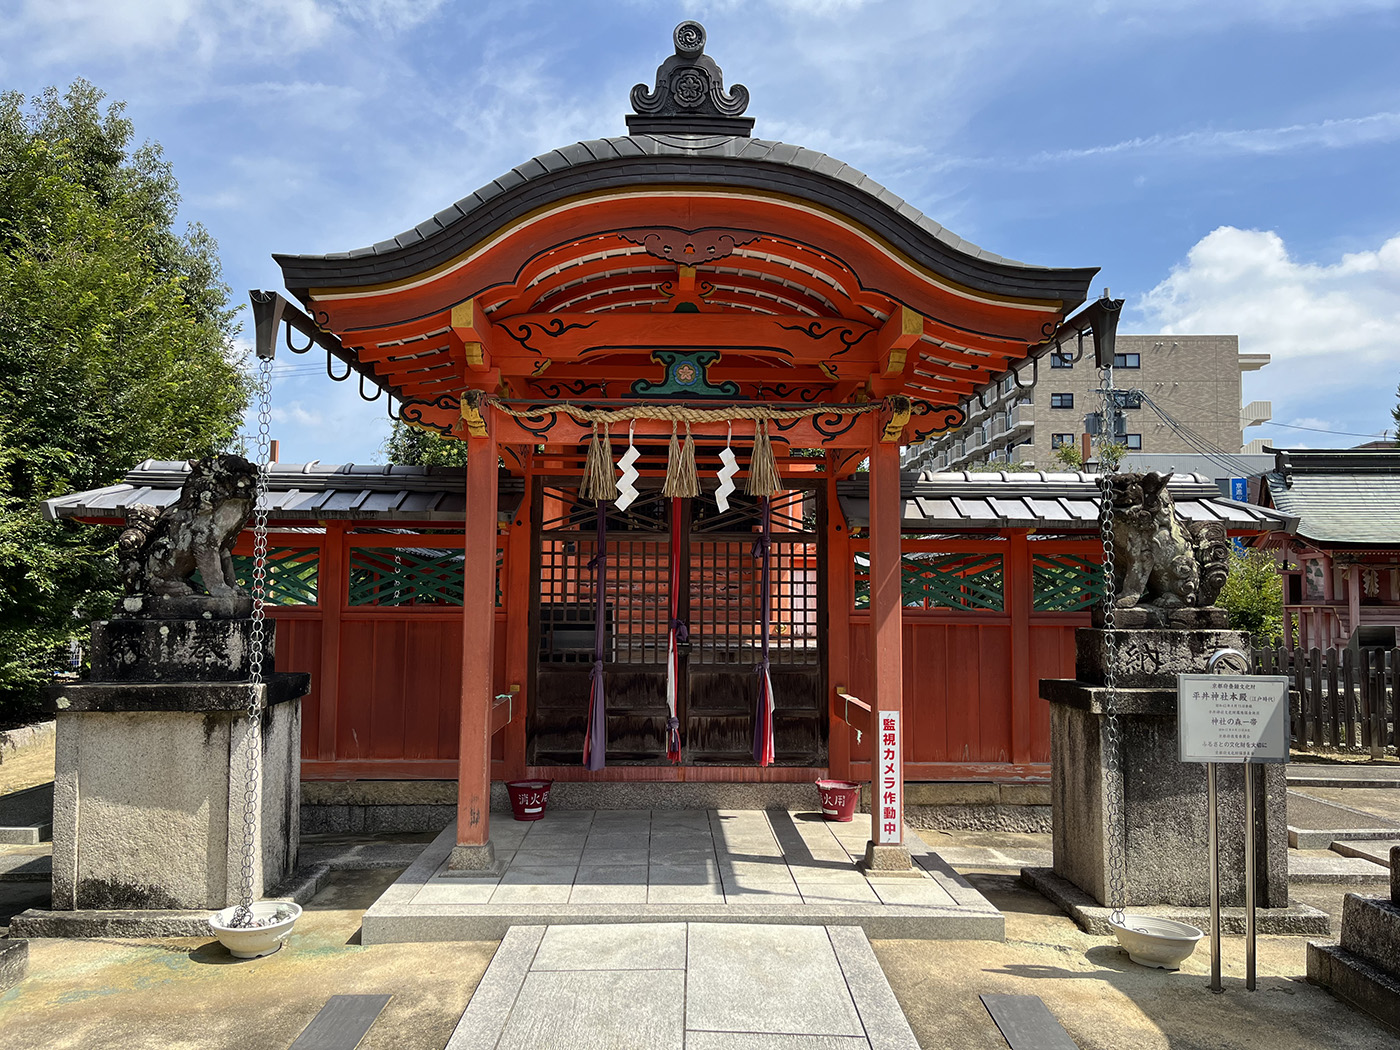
[{"x": 1231, "y": 166}]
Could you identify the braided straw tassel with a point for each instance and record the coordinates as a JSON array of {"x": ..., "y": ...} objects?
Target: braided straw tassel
[
  {"x": 599, "y": 484},
  {"x": 682, "y": 479},
  {"x": 763, "y": 468}
]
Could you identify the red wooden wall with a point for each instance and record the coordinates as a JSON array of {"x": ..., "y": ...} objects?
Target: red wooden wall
[{"x": 386, "y": 679}]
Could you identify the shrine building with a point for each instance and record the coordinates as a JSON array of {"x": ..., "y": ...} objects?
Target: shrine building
[{"x": 740, "y": 335}]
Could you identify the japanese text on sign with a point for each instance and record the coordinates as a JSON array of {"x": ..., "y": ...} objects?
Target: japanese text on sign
[
  {"x": 890, "y": 801},
  {"x": 1228, "y": 719}
]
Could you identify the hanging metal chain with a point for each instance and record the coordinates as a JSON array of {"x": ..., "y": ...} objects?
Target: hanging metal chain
[
  {"x": 257, "y": 638},
  {"x": 1112, "y": 739}
]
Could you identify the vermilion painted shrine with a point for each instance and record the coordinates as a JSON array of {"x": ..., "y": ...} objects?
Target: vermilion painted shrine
[{"x": 688, "y": 281}]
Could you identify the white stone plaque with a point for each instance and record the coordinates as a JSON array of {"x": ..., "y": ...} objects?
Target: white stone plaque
[
  {"x": 1222, "y": 718},
  {"x": 888, "y": 780}
]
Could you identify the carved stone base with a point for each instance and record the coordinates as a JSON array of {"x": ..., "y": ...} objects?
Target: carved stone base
[
  {"x": 1148, "y": 657},
  {"x": 185, "y": 607},
  {"x": 1180, "y": 617},
  {"x": 131, "y": 649}
]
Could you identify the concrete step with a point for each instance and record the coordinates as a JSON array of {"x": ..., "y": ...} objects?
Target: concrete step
[
  {"x": 1375, "y": 851},
  {"x": 26, "y": 817},
  {"x": 1306, "y": 774},
  {"x": 578, "y": 867},
  {"x": 1315, "y": 824},
  {"x": 25, "y": 864},
  {"x": 1337, "y": 867}
]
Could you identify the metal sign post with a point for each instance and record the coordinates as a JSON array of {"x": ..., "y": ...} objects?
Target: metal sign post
[
  {"x": 1233, "y": 717},
  {"x": 1213, "y": 834}
]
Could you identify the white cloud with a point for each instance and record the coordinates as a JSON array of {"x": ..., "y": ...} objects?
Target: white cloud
[
  {"x": 69, "y": 30},
  {"x": 296, "y": 412},
  {"x": 1341, "y": 133},
  {"x": 1331, "y": 328}
]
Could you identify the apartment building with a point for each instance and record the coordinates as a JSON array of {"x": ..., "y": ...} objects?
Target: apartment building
[{"x": 1194, "y": 378}]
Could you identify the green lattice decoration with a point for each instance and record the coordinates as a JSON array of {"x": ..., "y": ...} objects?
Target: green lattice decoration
[
  {"x": 395, "y": 576},
  {"x": 970, "y": 582},
  {"x": 1066, "y": 583},
  {"x": 291, "y": 579}
]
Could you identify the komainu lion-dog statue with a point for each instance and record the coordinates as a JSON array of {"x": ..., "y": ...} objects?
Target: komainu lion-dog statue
[
  {"x": 159, "y": 551},
  {"x": 1160, "y": 560}
]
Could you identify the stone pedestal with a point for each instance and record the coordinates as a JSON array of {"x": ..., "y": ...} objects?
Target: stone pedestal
[
  {"x": 151, "y": 767},
  {"x": 1162, "y": 808},
  {"x": 1364, "y": 968}
]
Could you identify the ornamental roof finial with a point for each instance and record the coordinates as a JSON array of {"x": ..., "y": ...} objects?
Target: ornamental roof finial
[{"x": 689, "y": 96}]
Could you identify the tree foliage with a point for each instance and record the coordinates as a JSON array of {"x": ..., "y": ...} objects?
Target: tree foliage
[
  {"x": 1253, "y": 594},
  {"x": 1395, "y": 415},
  {"x": 1110, "y": 455},
  {"x": 115, "y": 346},
  {"x": 422, "y": 448}
]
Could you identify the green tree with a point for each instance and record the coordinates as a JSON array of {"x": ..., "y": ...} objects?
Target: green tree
[
  {"x": 116, "y": 344},
  {"x": 1395, "y": 415},
  {"x": 1110, "y": 455},
  {"x": 1253, "y": 594},
  {"x": 994, "y": 468},
  {"x": 422, "y": 448}
]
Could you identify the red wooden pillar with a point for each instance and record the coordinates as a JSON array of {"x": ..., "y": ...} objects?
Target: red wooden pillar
[
  {"x": 519, "y": 569},
  {"x": 473, "y": 850},
  {"x": 839, "y": 602},
  {"x": 332, "y": 593},
  {"x": 886, "y": 849},
  {"x": 1353, "y": 605},
  {"x": 1019, "y": 596}
]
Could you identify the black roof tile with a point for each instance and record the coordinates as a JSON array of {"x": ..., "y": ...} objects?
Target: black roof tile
[{"x": 730, "y": 161}]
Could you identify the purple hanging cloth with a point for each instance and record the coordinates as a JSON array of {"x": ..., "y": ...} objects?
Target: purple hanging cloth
[
  {"x": 763, "y": 750},
  {"x": 678, "y": 632},
  {"x": 595, "y": 737}
]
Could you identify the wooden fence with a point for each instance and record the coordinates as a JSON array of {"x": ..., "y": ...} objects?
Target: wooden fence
[{"x": 1339, "y": 699}]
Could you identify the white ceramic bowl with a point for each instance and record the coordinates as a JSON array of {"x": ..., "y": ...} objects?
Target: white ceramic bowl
[
  {"x": 1150, "y": 941},
  {"x": 256, "y": 941}
]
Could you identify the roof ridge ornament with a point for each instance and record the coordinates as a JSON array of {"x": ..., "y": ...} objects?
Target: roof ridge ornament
[{"x": 689, "y": 96}]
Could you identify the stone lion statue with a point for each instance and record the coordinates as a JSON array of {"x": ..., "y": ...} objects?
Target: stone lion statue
[
  {"x": 1161, "y": 560},
  {"x": 159, "y": 551}
]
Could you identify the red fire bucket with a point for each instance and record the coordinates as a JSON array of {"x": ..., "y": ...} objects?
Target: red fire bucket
[
  {"x": 528, "y": 798},
  {"x": 839, "y": 799}
]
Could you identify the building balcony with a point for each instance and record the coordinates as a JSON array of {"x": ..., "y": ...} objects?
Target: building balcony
[
  {"x": 1256, "y": 412},
  {"x": 1022, "y": 416}
]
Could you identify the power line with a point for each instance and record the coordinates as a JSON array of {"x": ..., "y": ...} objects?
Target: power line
[
  {"x": 1382, "y": 435},
  {"x": 1201, "y": 444}
]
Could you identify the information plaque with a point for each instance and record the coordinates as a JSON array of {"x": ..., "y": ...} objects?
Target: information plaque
[{"x": 1228, "y": 719}]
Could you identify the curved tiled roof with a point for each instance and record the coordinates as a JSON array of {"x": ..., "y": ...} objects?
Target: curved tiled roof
[
  {"x": 1340, "y": 496},
  {"x": 651, "y": 160},
  {"x": 959, "y": 502},
  {"x": 1048, "y": 502}
]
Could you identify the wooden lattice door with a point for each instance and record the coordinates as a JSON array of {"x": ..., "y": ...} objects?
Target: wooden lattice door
[
  {"x": 718, "y": 599},
  {"x": 725, "y": 613}
]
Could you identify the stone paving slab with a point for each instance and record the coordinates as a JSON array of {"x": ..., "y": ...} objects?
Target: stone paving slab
[
  {"x": 718, "y": 866},
  {"x": 697, "y": 986}
]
